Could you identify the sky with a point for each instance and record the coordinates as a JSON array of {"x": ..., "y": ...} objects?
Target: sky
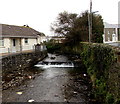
[{"x": 39, "y": 14}]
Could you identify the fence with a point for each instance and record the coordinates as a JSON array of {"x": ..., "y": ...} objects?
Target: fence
[{"x": 37, "y": 47}]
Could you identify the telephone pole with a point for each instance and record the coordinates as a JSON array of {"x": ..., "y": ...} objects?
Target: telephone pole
[{"x": 90, "y": 21}]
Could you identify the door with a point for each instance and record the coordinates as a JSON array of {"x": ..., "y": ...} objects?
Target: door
[{"x": 13, "y": 45}]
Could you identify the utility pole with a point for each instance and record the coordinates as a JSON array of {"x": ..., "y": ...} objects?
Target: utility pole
[{"x": 90, "y": 21}]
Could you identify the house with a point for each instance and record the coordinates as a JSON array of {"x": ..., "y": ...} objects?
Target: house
[
  {"x": 42, "y": 38},
  {"x": 111, "y": 33},
  {"x": 18, "y": 38}
]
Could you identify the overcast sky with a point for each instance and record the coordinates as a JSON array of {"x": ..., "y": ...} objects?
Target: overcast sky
[{"x": 39, "y": 14}]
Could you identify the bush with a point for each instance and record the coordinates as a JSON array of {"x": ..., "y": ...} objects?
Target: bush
[
  {"x": 53, "y": 47},
  {"x": 109, "y": 98}
]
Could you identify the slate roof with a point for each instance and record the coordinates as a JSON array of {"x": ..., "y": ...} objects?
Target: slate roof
[
  {"x": 18, "y": 31},
  {"x": 107, "y": 25}
]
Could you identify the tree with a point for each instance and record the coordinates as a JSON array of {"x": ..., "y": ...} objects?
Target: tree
[
  {"x": 97, "y": 29},
  {"x": 75, "y": 27},
  {"x": 64, "y": 23}
]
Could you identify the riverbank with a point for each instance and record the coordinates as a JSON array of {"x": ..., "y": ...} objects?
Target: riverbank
[
  {"x": 17, "y": 78},
  {"x": 16, "y": 67}
]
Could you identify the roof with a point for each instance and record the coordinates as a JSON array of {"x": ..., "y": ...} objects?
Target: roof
[
  {"x": 107, "y": 25},
  {"x": 18, "y": 31}
]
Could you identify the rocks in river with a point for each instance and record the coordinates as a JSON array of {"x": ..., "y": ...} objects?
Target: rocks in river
[
  {"x": 52, "y": 58},
  {"x": 56, "y": 95}
]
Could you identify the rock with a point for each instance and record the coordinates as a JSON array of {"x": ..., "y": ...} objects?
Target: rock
[
  {"x": 56, "y": 95},
  {"x": 32, "y": 86},
  {"x": 65, "y": 100}
]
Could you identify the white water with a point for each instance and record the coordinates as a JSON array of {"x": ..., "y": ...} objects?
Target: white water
[
  {"x": 49, "y": 65},
  {"x": 57, "y": 62}
]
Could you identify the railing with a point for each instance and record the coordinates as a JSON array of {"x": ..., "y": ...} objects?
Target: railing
[{"x": 37, "y": 47}]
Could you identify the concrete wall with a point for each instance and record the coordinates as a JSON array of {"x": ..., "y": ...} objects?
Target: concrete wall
[{"x": 21, "y": 61}]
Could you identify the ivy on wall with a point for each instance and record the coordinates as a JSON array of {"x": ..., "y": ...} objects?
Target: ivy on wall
[{"x": 98, "y": 58}]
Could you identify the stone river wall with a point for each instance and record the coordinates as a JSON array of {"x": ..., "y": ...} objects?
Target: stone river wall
[{"x": 21, "y": 61}]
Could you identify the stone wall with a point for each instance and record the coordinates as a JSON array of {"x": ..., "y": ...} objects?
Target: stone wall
[{"x": 21, "y": 61}]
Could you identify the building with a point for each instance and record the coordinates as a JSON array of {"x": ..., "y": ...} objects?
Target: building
[
  {"x": 42, "y": 38},
  {"x": 18, "y": 38},
  {"x": 58, "y": 39},
  {"x": 111, "y": 33}
]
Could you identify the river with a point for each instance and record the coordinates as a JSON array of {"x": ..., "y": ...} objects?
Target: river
[{"x": 58, "y": 81}]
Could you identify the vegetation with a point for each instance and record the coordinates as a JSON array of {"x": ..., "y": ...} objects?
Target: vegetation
[
  {"x": 53, "y": 47},
  {"x": 100, "y": 61},
  {"x": 75, "y": 27}
]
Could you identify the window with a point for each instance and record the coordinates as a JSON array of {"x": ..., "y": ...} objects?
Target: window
[
  {"x": 26, "y": 40},
  {"x": 1, "y": 42}
]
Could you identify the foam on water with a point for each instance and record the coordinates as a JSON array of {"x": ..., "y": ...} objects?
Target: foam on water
[
  {"x": 55, "y": 61},
  {"x": 56, "y": 65}
]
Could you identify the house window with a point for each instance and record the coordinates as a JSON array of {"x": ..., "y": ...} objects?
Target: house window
[
  {"x": 1, "y": 42},
  {"x": 26, "y": 40}
]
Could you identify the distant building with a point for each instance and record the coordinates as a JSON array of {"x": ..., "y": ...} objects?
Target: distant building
[
  {"x": 18, "y": 38},
  {"x": 58, "y": 39},
  {"x": 111, "y": 33}
]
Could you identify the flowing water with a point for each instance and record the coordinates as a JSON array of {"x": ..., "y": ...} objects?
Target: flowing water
[{"x": 58, "y": 81}]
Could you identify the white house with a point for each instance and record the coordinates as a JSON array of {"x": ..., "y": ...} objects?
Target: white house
[
  {"x": 111, "y": 33},
  {"x": 18, "y": 38}
]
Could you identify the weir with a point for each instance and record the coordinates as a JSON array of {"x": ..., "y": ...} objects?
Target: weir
[{"x": 55, "y": 61}]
